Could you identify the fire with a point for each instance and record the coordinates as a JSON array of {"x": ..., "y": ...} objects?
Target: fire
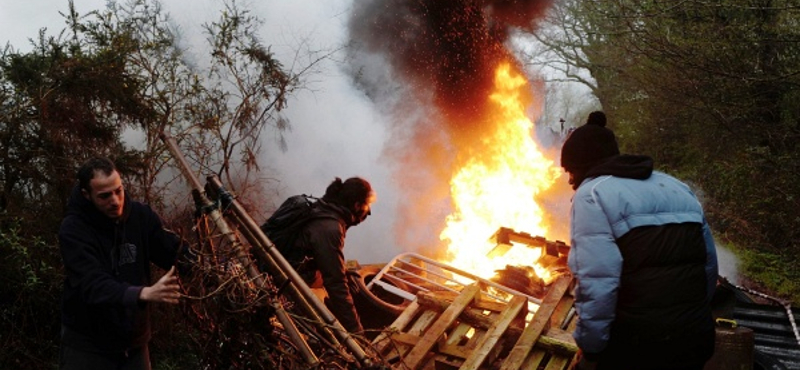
[{"x": 497, "y": 186}]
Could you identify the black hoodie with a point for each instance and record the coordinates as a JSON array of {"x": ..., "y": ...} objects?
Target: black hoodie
[
  {"x": 322, "y": 239},
  {"x": 622, "y": 165},
  {"x": 107, "y": 263}
]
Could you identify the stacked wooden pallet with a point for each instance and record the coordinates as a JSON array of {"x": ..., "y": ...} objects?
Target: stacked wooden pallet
[{"x": 440, "y": 331}]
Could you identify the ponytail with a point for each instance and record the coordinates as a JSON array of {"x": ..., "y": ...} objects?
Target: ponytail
[{"x": 349, "y": 192}]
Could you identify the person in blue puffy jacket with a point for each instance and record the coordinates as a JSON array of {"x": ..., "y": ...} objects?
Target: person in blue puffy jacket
[{"x": 643, "y": 257}]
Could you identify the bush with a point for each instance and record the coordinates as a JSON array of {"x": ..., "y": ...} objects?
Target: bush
[
  {"x": 29, "y": 300},
  {"x": 778, "y": 273}
]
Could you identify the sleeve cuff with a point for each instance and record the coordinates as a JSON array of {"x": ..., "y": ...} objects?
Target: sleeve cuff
[{"x": 131, "y": 296}]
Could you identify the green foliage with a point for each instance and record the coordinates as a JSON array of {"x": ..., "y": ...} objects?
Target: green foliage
[
  {"x": 710, "y": 90},
  {"x": 110, "y": 72},
  {"x": 778, "y": 272},
  {"x": 29, "y": 310}
]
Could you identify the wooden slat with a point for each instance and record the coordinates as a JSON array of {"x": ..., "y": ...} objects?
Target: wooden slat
[
  {"x": 434, "y": 299},
  {"x": 405, "y": 338},
  {"x": 397, "y": 344},
  {"x": 557, "y": 341},
  {"x": 423, "y": 322},
  {"x": 553, "y": 339},
  {"x": 457, "y": 334},
  {"x": 432, "y": 335},
  {"x": 541, "y": 319},
  {"x": 562, "y": 310},
  {"x": 533, "y": 360},
  {"x": 382, "y": 340},
  {"x": 485, "y": 346},
  {"x": 460, "y": 352},
  {"x": 558, "y": 363},
  {"x": 472, "y": 316},
  {"x": 415, "y": 358},
  {"x": 452, "y": 347}
]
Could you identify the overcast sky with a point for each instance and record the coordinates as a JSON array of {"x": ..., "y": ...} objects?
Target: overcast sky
[{"x": 335, "y": 130}]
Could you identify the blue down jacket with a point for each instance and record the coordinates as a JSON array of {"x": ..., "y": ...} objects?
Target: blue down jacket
[{"x": 644, "y": 260}]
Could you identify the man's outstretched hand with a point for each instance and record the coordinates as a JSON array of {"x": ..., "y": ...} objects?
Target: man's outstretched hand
[{"x": 165, "y": 290}]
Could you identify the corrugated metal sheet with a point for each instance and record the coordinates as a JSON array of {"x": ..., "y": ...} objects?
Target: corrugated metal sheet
[{"x": 774, "y": 336}]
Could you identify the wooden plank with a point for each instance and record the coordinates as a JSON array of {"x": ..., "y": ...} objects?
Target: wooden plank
[
  {"x": 459, "y": 333},
  {"x": 423, "y": 322},
  {"x": 415, "y": 358},
  {"x": 443, "y": 299},
  {"x": 488, "y": 342},
  {"x": 541, "y": 319},
  {"x": 405, "y": 338},
  {"x": 472, "y": 316},
  {"x": 452, "y": 345},
  {"x": 403, "y": 342},
  {"x": 460, "y": 352},
  {"x": 533, "y": 361},
  {"x": 553, "y": 339},
  {"x": 558, "y": 363},
  {"x": 562, "y": 310},
  {"x": 557, "y": 341},
  {"x": 382, "y": 340}
]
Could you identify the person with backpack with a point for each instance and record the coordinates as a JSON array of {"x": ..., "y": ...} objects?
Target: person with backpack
[{"x": 310, "y": 235}]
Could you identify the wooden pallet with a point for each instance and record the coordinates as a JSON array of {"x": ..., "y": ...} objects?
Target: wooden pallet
[{"x": 469, "y": 331}]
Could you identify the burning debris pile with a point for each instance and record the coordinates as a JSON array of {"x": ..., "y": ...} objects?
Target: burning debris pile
[
  {"x": 291, "y": 328},
  {"x": 408, "y": 274},
  {"x": 520, "y": 278},
  {"x": 469, "y": 331},
  {"x": 472, "y": 133},
  {"x": 520, "y": 318},
  {"x": 463, "y": 105},
  {"x": 548, "y": 261}
]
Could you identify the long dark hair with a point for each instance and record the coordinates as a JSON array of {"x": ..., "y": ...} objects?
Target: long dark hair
[{"x": 349, "y": 192}]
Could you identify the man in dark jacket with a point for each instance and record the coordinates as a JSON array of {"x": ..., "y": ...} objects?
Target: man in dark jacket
[
  {"x": 321, "y": 242},
  {"x": 643, "y": 256},
  {"x": 107, "y": 243}
]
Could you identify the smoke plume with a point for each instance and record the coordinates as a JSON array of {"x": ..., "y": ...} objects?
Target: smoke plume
[{"x": 430, "y": 66}]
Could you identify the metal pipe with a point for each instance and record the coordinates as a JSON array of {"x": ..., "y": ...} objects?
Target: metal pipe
[
  {"x": 294, "y": 277},
  {"x": 244, "y": 258},
  {"x": 399, "y": 259},
  {"x": 280, "y": 278}
]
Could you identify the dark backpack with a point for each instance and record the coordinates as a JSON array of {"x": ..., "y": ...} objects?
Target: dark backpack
[{"x": 284, "y": 226}]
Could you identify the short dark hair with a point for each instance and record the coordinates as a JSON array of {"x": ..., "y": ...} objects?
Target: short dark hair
[
  {"x": 87, "y": 170},
  {"x": 349, "y": 192}
]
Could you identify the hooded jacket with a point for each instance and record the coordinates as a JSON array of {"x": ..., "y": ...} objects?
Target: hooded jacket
[
  {"x": 107, "y": 264},
  {"x": 645, "y": 262},
  {"x": 322, "y": 238}
]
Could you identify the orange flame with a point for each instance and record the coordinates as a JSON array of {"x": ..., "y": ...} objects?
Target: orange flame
[{"x": 498, "y": 185}]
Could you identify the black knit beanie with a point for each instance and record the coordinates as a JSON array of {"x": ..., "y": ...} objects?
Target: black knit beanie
[{"x": 589, "y": 145}]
